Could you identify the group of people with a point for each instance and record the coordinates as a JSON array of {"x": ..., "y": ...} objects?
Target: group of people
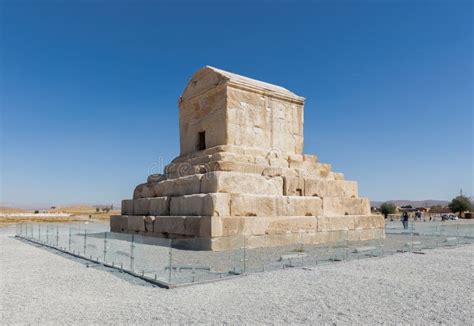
[{"x": 405, "y": 217}]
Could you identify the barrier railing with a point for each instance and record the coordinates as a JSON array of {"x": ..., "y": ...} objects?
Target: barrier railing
[{"x": 171, "y": 262}]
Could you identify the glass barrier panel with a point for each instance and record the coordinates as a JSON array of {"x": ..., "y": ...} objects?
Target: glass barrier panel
[
  {"x": 368, "y": 243},
  {"x": 119, "y": 250},
  {"x": 76, "y": 241},
  {"x": 94, "y": 244},
  {"x": 151, "y": 257},
  {"x": 63, "y": 237},
  {"x": 201, "y": 259},
  {"x": 275, "y": 251}
]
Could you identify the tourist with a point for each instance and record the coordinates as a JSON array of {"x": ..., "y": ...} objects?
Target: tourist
[{"x": 405, "y": 220}]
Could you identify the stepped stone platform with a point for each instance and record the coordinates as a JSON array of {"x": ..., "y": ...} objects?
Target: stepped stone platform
[{"x": 242, "y": 172}]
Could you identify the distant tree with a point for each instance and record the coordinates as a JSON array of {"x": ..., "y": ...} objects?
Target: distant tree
[
  {"x": 97, "y": 209},
  {"x": 388, "y": 208},
  {"x": 460, "y": 204}
]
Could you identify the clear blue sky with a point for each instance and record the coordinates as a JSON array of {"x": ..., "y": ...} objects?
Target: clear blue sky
[{"x": 89, "y": 90}]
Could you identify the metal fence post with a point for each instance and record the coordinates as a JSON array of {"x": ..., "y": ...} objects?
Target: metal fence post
[
  {"x": 47, "y": 234},
  {"x": 170, "y": 260},
  {"x": 132, "y": 258},
  {"x": 57, "y": 236},
  {"x": 105, "y": 246},
  {"x": 85, "y": 241},
  {"x": 69, "y": 249},
  {"x": 346, "y": 249},
  {"x": 457, "y": 234},
  {"x": 382, "y": 241},
  {"x": 245, "y": 255}
]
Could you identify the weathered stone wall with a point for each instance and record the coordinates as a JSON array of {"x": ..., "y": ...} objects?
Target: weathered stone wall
[
  {"x": 203, "y": 113},
  {"x": 252, "y": 179},
  {"x": 264, "y": 122}
]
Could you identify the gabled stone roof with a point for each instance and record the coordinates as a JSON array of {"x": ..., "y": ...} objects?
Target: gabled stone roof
[{"x": 210, "y": 77}]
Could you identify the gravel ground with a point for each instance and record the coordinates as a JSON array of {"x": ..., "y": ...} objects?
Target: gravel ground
[{"x": 39, "y": 286}]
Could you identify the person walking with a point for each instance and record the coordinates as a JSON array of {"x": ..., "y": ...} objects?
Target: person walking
[{"x": 405, "y": 220}]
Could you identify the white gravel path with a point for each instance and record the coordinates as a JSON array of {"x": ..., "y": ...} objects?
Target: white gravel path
[{"x": 42, "y": 287}]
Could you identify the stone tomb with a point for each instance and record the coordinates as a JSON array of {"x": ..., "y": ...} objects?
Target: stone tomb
[{"x": 242, "y": 172}]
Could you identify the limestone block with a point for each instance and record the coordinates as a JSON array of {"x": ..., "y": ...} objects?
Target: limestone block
[
  {"x": 272, "y": 240},
  {"x": 338, "y": 176},
  {"x": 330, "y": 188},
  {"x": 236, "y": 167},
  {"x": 232, "y": 157},
  {"x": 127, "y": 207},
  {"x": 335, "y": 206},
  {"x": 180, "y": 186},
  {"x": 302, "y": 206},
  {"x": 272, "y": 172},
  {"x": 119, "y": 223},
  {"x": 254, "y": 205},
  {"x": 200, "y": 205},
  {"x": 141, "y": 206},
  {"x": 197, "y": 226},
  {"x": 307, "y": 166},
  {"x": 293, "y": 224},
  {"x": 169, "y": 225},
  {"x": 203, "y": 113},
  {"x": 159, "y": 206},
  {"x": 143, "y": 190},
  {"x": 299, "y": 141},
  {"x": 210, "y": 226},
  {"x": 258, "y": 205},
  {"x": 260, "y": 160},
  {"x": 149, "y": 220},
  {"x": 293, "y": 186},
  {"x": 278, "y": 163},
  {"x": 331, "y": 176},
  {"x": 369, "y": 222},
  {"x": 262, "y": 225},
  {"x": 295, "y": 158},
  {"x": 323, "y": 169},
  {"x": 234, "y": 182},
  {"x": 153, "y": 178},
  {"x": 192, "y": 225},
  {"x": 136, "y": 223},
  {"x": 310, "y": 158},
  {"x": 252, "y": 151},
  {"x": 234, "y": 226},
  {"x": 277, "y": 172},
  {"x": 204, "y": 159},
  {"x": 335, "y": 223}
]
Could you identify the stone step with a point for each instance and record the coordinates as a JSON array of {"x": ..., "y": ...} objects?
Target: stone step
[
  {"x": 229, "y": 204},
  {"x": 335, "y": 228}
]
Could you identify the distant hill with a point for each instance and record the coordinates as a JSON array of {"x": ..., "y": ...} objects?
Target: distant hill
[
  {"x": 12, "y": 210},
  {"x": 73, "y": 209},
  {"x": 414, "y": 203},
  {"x": 79, "y": 209}
]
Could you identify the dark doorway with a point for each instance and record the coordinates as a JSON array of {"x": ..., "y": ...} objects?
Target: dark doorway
[{"x": 201, "y": 141}]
